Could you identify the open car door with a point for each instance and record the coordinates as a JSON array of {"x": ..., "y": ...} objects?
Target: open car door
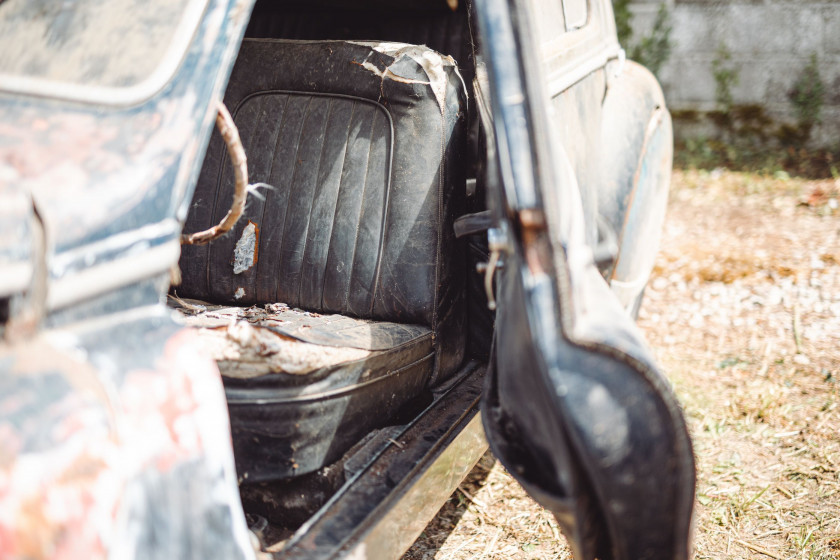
[{"x": 574, "y": 405}]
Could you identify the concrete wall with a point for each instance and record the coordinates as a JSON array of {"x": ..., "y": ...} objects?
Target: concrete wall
[{"x": 770, "y": 42}]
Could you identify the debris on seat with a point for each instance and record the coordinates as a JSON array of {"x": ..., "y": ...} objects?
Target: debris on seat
[
  {"x": 243, "y": 350},
  {"x": 244, "y": 344}
]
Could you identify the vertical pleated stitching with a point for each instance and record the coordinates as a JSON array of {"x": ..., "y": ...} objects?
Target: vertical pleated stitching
[
  {"x": 361, "y": 214},
  {"x": 255, "y": 207},
  {"x": 316, "y": 190},
  {"x": 338, "y": 197},
  {"x": 269, "y": 193},
  {"x": 216, "y": 287},
  {"x": 199, "y": 254},
  {"x": 291, "y": 194},
  {"x": 386, "y": 194}
]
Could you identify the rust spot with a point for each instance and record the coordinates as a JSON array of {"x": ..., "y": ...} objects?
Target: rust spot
[{"x": 256, "y": 241}]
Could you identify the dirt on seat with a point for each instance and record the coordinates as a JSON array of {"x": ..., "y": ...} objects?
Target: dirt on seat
[{"x": 244, "y": 344}]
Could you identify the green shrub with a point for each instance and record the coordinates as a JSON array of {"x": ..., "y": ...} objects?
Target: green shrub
[
  {"x": 654, "y": 49},
  {"x": 808, "y": 98},
  {"x": 726, "y": 77},
  {"x": 623, "y": 21}
]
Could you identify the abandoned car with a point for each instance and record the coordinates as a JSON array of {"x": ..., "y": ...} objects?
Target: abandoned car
[{"x": 274, "y": 274}]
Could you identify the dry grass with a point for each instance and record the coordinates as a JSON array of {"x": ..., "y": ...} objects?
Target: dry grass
[
  {"x": 743, "y": 312},
  {"x": 757, "y": 369},
  {"x": 490, "y": 516}
]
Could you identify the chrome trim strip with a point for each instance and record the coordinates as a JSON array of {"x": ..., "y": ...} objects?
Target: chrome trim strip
[
  {"x": 136, "y": 240},
  {"x": 397, "y": 529},
  {"x": 110, "y": 275},
  {"x": 388, "y": 500},
  {"x": 240, "y": 397},
  {"x": 58, "y": 335}
]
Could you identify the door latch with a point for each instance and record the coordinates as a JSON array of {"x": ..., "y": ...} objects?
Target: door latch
[{"x": 498, "y": 241}]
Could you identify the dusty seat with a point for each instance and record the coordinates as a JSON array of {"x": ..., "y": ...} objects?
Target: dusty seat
[
  {"x": 302, "y": 386},
  {"x": 362, "y": 145}
]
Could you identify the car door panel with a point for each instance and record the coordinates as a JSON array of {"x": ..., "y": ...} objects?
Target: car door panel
[{"x": 575, "y": 406}]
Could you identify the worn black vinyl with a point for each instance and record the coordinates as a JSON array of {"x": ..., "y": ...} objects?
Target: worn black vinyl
[
  {"x": 432, "y": 24},
  {"x": 367, "y": 175},
  {"x": 367, "y": 178},
  {"x": 338, "y": 331},
  {"x": 286, "y": 425},
  {"x": 418, "y": 22},
  {"x": 347, "y": 332}
]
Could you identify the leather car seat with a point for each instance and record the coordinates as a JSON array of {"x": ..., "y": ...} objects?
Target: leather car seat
[{"x": 363, "y": 146}]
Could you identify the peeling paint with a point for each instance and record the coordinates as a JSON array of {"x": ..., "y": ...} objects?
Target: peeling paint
[
  {"x": 239, "y": 294},
  {"x": 115, "y": 460},
  {"x": 245, "y": 252}
]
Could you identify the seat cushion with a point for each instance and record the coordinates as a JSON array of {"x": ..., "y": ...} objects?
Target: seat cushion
[
  {"x": 303, "y": 387},
  {"x": 362, "y": 144}
]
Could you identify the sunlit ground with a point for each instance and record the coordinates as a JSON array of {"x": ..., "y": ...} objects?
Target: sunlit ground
[{"x": 743, "y": 312}]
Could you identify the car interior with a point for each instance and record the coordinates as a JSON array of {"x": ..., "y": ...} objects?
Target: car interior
[{"x": 342, "y": 299}]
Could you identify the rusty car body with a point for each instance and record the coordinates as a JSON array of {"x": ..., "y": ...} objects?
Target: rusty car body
[{"x": 452, "y": 211}]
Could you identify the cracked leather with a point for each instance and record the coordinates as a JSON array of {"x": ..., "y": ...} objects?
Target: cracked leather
[{"x": 367, "y": 177}]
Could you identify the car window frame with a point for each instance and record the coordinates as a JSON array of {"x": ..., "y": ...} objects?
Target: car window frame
[
  {"x": 587, "y": 12},
  {"x": 117, "y": 96},
  {"x": 571, "y": 56}
]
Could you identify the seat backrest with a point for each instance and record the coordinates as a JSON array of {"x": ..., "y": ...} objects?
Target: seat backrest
[
  {"x": 363, "y": 145},
  {"x": 427, "y": 23}
]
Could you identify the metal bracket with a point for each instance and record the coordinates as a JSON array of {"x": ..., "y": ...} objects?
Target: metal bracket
[{"x": 498, "y": 241}]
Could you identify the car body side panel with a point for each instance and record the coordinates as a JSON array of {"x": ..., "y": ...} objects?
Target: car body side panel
[
  {"x": 15, "y": 240},
  {"x": 637, "y": 141},
  {"x": 573, "y": 61},
  {"x": 114, "y": 442},
  {"x": 112, "y": 183},
  {"x": 574, "y": 112},
  {"x": 576, "y": 407},
  {"x": 114, "y": 437}
]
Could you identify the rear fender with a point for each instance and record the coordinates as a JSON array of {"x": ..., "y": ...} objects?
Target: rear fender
[{"x": 637, "y": 155}]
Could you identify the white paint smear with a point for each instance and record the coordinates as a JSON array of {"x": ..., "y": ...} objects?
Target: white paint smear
[{"x": 244, "y": 254}]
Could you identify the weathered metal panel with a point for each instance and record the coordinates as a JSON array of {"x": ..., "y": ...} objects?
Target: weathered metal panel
[
  {"x": 114, "y": 434},
  {"x": 112, "y": 183},
  {"x": 113, "y": 51},
  {"x": 16, "y": 249},
  {"x": 114, "y": 442}
]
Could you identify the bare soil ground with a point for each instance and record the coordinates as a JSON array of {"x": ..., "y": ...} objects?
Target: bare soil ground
[{"x": 743, "y": 312}]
